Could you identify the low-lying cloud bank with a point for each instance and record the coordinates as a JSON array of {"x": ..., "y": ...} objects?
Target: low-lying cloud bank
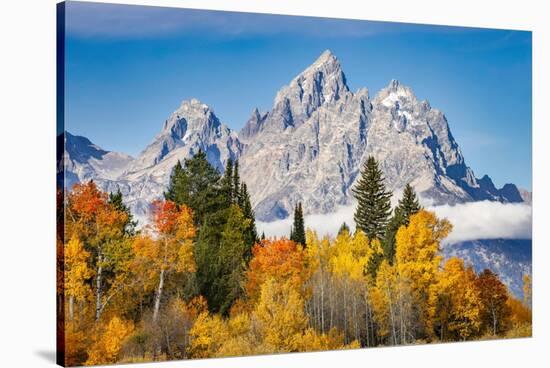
[{"x": 474, "y": 220}]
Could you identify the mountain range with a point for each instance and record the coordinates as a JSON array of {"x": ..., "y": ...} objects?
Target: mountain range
[{"x": 308, "y": 148}]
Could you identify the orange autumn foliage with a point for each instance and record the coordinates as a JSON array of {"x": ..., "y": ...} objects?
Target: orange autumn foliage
[{"x": 280, "y": 260}]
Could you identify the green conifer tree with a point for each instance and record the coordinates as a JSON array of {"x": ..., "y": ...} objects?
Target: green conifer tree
[
  {"x": 196, "y": 184},
  {"x": 226, "y": 183},
  {"x": 374, "y": 207},
  {"x": 407, "y": 206},
  {"x": 250, "y": 235},
  {"x": 115, "y": 200},
  {"x": 237, "y": 185},
  {"x": 298, "y": 232},
  {"x": 344, "y": 229}
]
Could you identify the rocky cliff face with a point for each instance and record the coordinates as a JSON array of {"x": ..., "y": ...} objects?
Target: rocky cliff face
[
  {"x": 309, "y": 147},
  {"x": 313, "y": 142}
]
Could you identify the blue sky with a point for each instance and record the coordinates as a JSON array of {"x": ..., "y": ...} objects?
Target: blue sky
[{"x": 129, "y": 67}]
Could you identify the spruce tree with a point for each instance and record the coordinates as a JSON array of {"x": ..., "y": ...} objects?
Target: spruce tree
[
  {"x": 344, "y": 229},
  {"x": 237, "y": 185},
  {"x": 263, "y": 236},
  {"x": 407, "y": 206},
  {"x": 115, "y": 200},
  {"x": 174, "y": 182},
  {"x": 226, "y": 183},
  {"x": 250, "y": 235},
  {"x": 196, "y": 184},
  {"x": 298, "y": 232},
  {"x": 374, "y": 207}
]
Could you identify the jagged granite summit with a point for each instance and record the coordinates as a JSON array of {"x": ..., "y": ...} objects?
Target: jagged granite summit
[
  {"x": 312, "y": 144},
  {"x": 309, "y": 147}
]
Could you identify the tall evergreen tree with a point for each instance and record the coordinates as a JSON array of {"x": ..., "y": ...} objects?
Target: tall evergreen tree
[
  {"x": 344, "y": 229},
  {"x": 115, "y": 200},
  {"x": 298, "y": 232},
  {"x": 407, "y": 206},
  {"x": 226, "y": 183},
  {"x": 237, "y": 185},
  {"x": 374, "y": 207},
  {"x": 174, "y": 185},
  {"x": 196, "y": 184},
  {"x": 250, "y": 235}
]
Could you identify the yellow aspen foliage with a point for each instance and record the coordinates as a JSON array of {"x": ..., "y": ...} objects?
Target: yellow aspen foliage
[
  {"x": 351, "y": 255},
  {"x": 384, "y": 302},
  {"x": 318, "y": 252},
  {"x": 240, "y": 340},
  {"x": 520, "y": 314},
  {"x": 76, "y": 343},
  {"x": 527, "y": 290},
  {"x": 333, "y": 340},
  {"x": 106, "y": 349},
  {"x": 455, "y": 305},
  {"x": 76, "y": 272},
  {"x": 418, "y": 256},
  {"x": 207, "y": 335},
  {"x": 280, "y": 315}
]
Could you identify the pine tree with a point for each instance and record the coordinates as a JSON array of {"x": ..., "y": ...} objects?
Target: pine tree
[
  {"x": 344, "y": 228},
  {"x": 237, "y": 186},
  {"x": 115, "y": 200},
  {"x": 250, "y": 236},
  {"x": 407, "y": 206},
  {"x": 374, "y": 207},
  {"x": 263, "y": 236},
  {"x": 176, "y": 178},
  {"x": 298, "y": 232},
  {"x": 196, "y": 184},
  {"x": 226, "y": 183}
]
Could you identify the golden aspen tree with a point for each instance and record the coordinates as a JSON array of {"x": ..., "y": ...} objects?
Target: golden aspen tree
[
  {"x": 207, "y": 335},
  {"x": 527, "y": 290},
  {"x": 417, "y": 261},
  {"x": 281, "y": 260},
  {"x": 493, "y": 294},
  {"x": 101, "y": 228},
  {"x": 171, "y": 251},
  {"x": 76, "y": 274},
  {"x": 455, "y": 303},
  {"x": 280, "y": 316},
  {"x": 106, "y": 349}
]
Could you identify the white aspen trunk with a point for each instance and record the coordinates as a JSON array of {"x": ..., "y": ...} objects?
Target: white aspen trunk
[
  {"x": 158, "y": 296},
  {"x": 71, "y": 308},
  {"x": 98, "y": 293},
  {"x": 392, "y": 319},
  {"x": 345, "y": 317},
  {"x": 322, "y": 304}
]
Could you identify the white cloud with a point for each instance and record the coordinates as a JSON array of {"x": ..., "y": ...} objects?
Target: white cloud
[
  {"x": 474, "y": 220},
  {"x": 323, "y": 224},
  {"x": 487, "y": 220}
]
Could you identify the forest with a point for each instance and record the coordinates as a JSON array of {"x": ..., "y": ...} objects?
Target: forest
[{"x": 198, "y": 281}]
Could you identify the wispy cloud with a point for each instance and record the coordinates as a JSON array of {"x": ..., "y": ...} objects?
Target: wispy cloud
[
  {"x": 474, "y": 220},
  {"x": 487, "y": 220},
  {"x": 131, "y": 21}
]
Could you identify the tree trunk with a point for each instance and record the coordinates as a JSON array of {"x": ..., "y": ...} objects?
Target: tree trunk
[
  {"x": 158, "y": 296},
  {"x": 71, "y": 308},
  {"x": 98, "y": 293}
]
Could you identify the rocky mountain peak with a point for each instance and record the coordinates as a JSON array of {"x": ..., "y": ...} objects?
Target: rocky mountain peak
[{"x": 322, "y": 83}]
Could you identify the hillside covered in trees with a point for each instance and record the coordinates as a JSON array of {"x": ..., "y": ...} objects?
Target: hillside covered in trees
[{"x": 198, "y": 281}]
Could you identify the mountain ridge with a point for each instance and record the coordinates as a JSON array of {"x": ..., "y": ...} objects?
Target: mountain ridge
[{"x": 310, "y": 147}]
